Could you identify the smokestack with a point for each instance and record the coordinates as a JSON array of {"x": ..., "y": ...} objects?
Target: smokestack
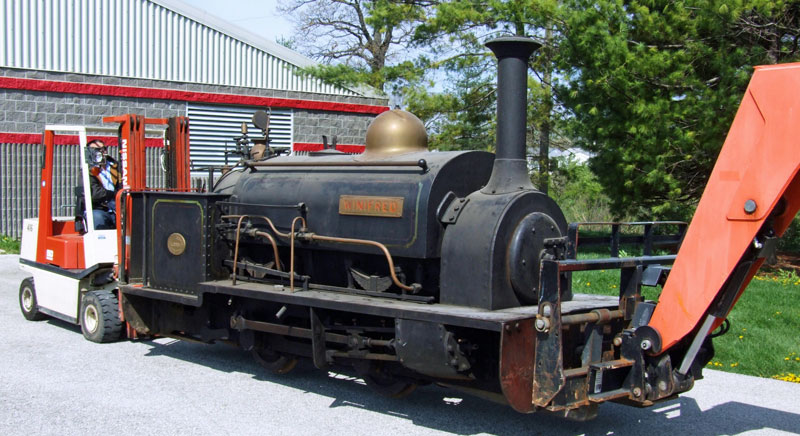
[{"x": 510, "y": 171}]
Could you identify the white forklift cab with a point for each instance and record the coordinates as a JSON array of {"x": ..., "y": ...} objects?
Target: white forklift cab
[{"x": 73, "y": 265}]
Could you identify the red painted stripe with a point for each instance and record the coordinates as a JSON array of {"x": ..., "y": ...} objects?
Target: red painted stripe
[
  {"x": 310, "y": 146},
  {"x": 173, "y": 94},
  {"x": 36, "y": 138}
]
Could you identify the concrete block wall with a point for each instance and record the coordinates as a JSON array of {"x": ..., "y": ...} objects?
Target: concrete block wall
[
  {"x": 27, "y": 112},
  {"x": 309, "y": 126}
]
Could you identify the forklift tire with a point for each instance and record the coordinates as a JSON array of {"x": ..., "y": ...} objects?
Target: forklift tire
[
  {"x": 27, "y": 301},
  {"x": 99, "y": 317}
]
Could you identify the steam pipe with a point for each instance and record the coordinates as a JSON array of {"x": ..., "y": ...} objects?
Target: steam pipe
[{"x": 510, "y": 171}]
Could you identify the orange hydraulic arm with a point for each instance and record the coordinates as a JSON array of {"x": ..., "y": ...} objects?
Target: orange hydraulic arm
[{"x": 751, "y": 197}]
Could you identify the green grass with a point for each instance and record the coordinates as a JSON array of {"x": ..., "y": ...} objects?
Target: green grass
[
  {"x": 9, "y": 245},
  {"x": 764, "y": 338}
]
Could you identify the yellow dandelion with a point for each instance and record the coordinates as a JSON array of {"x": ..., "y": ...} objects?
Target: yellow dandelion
[
  {"x": 790, "y": 377},
  {"x": 741, "y": 337}
]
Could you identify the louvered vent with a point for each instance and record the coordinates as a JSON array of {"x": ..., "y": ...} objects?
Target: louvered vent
[{"x": 212, "y": 129}]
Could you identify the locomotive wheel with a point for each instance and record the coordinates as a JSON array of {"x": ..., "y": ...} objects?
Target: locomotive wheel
[
  {"x": 27, "y": 301},
  {"x": 99, "y": 317},
  {"x": 274, "y": 362},
  {"x": 386, "y": 383}
]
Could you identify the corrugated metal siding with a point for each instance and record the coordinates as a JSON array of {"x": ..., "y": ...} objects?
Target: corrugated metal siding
[
  {"x": 19, "y": 186},
  {"x": 138, "y": 39},
  {"x": 20, "y": 173},
  {"x": 212, "y": 129}
]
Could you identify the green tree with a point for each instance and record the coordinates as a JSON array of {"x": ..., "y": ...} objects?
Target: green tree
[
  {"x": 654, "y": 84},
  {"x": 362, "y": 41},
  {"x": 576, "y": 190},
  {"x": 456, "y": 31},
  {"x": 461, "y": 115}
]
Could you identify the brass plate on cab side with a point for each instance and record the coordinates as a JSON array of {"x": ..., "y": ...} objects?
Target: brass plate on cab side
[
  {"x": 367, "y": 205},
  {"x": 176, "y": 244}
]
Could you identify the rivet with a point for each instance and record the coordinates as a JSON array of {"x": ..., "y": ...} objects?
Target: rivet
[{"x": 750, "y": 207}]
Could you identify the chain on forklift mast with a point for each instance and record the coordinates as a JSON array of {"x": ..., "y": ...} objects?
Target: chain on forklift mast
[{"x": 418, "y": 267}]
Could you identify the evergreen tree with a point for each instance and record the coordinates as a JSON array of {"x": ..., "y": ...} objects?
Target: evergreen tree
[{"x": 654, "y": 84}]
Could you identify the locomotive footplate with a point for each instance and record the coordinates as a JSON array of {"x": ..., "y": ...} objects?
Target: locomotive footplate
[
  {"x": 514, "y": 329},
  {"x": 492, "y": 320}
]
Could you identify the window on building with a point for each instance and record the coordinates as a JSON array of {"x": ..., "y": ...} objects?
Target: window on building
[{"x": 212, "y": 130}]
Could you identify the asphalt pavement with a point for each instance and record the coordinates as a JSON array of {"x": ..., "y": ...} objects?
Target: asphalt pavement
[{"x": 52, "y": 381}]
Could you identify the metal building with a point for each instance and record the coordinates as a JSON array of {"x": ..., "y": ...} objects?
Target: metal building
[{"x": 76, "y": 61}]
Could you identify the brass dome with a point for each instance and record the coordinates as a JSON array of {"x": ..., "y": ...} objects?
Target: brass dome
[{"x": 395, "y": 132}]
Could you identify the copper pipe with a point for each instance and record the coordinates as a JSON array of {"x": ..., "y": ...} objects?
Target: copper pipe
[
  {"x": 272, "y": 240},
  {"x": 369, "y": 243},
  {"x": 274, "y": 248},
  {"x": 312, "y": 236},
  {"x": 268, "y": 221},
  {"x": 291, "y": 252},
  {"x": 598, "y": 316},
  {"x": 236, "y": 249}
]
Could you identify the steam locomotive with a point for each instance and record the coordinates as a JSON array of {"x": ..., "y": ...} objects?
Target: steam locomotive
[{"x": 409, "y": 265}]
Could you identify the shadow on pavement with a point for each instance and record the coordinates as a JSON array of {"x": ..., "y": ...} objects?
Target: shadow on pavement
[{"x": 448, "y": 410}]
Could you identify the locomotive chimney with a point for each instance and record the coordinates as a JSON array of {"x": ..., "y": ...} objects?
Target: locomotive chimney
[{"x": 510, "y": 171}]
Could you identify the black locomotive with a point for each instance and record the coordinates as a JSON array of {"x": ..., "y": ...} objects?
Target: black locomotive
[{"x": 411, "y": 266}]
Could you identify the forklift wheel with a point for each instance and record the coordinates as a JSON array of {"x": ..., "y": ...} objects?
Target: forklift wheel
[
  {"x": 100, "y": 317},
  {"x": 27, "y": 301}
]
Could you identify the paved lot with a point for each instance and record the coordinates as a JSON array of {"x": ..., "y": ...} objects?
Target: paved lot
[{"x": 52, "y": 381}]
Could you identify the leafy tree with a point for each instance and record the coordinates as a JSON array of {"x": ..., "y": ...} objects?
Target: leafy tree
[
  {"x": 457, "y": 31},
  {"x": 359, "y": 38},
  {"x": 576, "y": 190},
  {"x": 654, "y": 85},
  {"x": 461, "y": 116}
]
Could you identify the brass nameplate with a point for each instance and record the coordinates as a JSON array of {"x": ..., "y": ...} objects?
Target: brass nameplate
[{"x": 371, "y": 206}]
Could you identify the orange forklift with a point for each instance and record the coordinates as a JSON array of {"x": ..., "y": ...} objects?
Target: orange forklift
[{"x": 72, "y": 264}]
